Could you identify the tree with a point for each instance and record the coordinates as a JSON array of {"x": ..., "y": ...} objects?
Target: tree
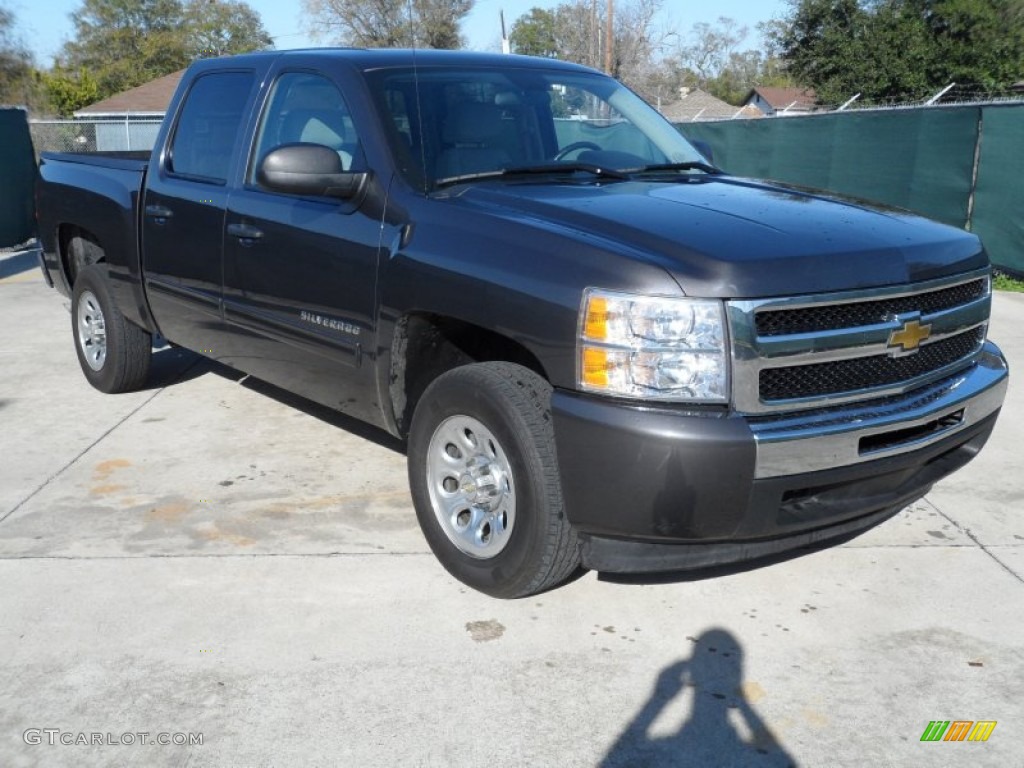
[
  {"x": 15, "y": 63},
  {"x": 439, "y": 21},
  {"x": 369, "y": 23},
  {"x": 977, "y": 41},
  {"x": 710, "y": 47},
  {"x": 709, "y": 58},
  {"x": 535, "y": 34},
  {"x": 124, "y": 43},
  {"x": 574, "y": 30},
  {"x": 68, "y": 91},
  {"x": 638, "y": 43},
  {"x": 389, "y": 23},
  {"x": 743, "y": 71},
  {"x": 900, "y": 49},
  {"x": 223, "y": 27}
]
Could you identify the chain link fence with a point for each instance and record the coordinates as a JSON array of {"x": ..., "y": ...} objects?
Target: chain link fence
[{"x": 129, "y": 134}]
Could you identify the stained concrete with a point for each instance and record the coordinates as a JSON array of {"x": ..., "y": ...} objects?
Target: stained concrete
[{"x": 205, "y": 557}]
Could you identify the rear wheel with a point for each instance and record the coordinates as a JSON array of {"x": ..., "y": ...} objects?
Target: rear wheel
[
  {"x": 485, "y": 483},
  {"x": 114, "y": 354}
]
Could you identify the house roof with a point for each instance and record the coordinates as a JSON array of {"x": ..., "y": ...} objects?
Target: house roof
[
  {"x": 781, "y": 98},
  {"x": 149, "y": 98},
  {"x": 696, "y": 104}
]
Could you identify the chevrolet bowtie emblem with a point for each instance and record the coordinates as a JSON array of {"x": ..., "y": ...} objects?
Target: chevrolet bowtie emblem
[{"x": 908, "y": 338}]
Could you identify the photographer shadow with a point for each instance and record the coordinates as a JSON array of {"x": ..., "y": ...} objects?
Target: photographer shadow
[{"x": 723, "y": 728}]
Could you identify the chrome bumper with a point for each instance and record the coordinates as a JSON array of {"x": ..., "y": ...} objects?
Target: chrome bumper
[{"x": 842, "y": 436}]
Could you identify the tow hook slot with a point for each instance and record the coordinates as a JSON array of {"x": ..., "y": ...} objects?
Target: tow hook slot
[{"x": 901, "y": 437}]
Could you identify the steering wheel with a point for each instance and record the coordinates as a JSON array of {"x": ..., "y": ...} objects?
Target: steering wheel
[{"x": 575, "y": 146}]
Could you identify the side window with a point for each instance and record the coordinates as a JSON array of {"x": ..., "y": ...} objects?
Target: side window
[
  {"x": 310, "y": 109},
  {"x": 204, "y": 139},
  {"x": 398, "y": 108}
]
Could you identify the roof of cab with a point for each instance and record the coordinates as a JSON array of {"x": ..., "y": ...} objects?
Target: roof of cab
[{"x": 377, "y": 58}]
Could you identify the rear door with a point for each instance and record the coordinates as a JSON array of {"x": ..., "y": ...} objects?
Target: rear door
[
  {"x": 300, "y": 272},
  {"x": 184, "y": 205}
]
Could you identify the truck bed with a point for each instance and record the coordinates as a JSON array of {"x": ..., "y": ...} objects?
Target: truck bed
[
  {"x": 98, "y": 192},
  {"x": 128, "y": 161}
]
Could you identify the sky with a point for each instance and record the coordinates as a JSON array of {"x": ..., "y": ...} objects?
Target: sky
[{"x": 44, "y": 25}]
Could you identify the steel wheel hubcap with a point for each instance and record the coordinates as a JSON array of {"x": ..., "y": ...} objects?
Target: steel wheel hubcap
[
  {"x": 471, "y": 487},
  {"x": 92, "y": 331}
]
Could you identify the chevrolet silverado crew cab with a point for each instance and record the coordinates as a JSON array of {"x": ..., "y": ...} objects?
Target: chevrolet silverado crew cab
[{"x": 601, "y": 349}]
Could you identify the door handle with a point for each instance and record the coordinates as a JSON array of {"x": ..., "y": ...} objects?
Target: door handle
[
  {"x": 247, "y": 233},
  {"x": 159, "y": 213}
]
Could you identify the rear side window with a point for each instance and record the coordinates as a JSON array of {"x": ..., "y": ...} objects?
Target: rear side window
[{"x": 204, "y": 140}]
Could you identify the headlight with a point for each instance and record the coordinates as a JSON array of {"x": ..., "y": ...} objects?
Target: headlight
[{"x": 653, "y": 348}]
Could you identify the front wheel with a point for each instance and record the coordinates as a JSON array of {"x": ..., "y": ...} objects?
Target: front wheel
[
  {"x": 485, "y": 483},
  {"x": 114, "y": 353}
]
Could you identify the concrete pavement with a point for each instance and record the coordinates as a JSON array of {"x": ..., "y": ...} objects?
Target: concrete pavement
[{"x": 207, "y": 558}]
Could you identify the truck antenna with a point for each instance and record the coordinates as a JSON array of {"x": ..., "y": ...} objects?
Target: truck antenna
[{"x": 419, "y": 103}]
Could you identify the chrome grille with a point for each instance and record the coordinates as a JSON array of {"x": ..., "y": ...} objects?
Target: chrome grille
[
  {"x": 822, "y": 379},
  {"x": 832, "y": 317},
  {"x": 808, "y": 352}
]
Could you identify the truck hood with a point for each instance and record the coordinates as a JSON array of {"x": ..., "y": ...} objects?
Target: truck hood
[{"x": 721, "y": 236}]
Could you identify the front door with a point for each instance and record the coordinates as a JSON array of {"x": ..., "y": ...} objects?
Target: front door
[{"x": 300, "y": 272}]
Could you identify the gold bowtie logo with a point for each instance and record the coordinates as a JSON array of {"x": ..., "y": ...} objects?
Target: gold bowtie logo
[{"x": 909, "y": 337}]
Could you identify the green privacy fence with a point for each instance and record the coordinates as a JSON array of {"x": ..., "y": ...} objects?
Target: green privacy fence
[
  {"x": 961, "y": 165},
  {"x": 17, "y": 175},
  {"x": 998, "y": 214}
]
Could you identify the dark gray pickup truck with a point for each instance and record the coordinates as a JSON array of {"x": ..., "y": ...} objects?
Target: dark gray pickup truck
[{"x": 601, "y": 349}]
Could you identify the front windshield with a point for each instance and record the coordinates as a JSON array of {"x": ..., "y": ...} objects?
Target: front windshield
[{"x": 466, "y": 121}]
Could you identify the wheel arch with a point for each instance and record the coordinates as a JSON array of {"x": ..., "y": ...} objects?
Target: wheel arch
[
  {"x": 426, "y": 345},
  {"x": 71, "y": 263}
]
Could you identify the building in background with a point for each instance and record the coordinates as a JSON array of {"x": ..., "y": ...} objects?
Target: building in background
[
  {"x": 131, "y": 120},
  {"x": 777, "y": 102},
  {"x": 694, "y": 105}
]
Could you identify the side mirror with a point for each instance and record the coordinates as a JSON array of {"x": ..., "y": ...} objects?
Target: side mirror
[{"x": 309, "y": 169}]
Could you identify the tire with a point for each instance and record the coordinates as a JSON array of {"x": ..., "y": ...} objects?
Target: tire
[
  {"x": 114, "y": 353},
  {"x": 484, "y": 478}
]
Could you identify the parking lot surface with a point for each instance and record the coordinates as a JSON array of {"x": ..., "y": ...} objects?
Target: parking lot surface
[{"x": 213, "y": 559}]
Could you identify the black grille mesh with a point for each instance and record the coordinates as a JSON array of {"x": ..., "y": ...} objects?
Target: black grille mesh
[
  {"x": 833, "y": 317},
  {"x": 843, "y": 376}
]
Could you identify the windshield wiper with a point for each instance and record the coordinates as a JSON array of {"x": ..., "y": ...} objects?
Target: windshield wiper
[
  {"x": 535, "y": 170},
  {"x": 556, "y": 168},
  {"x": 693, "y": 165}
]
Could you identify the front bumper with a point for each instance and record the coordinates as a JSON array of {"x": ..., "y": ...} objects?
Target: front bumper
[{"x": 660, "y": 488}]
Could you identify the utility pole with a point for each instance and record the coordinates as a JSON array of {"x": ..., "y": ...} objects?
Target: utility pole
[
  {"x": 506, "y": 47},
  {"x": 594, "y": 38},
  {"x": 608, "y": 37}
]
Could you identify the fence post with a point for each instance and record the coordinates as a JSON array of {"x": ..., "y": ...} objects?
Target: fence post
[{"x": 969, "y": 224}]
